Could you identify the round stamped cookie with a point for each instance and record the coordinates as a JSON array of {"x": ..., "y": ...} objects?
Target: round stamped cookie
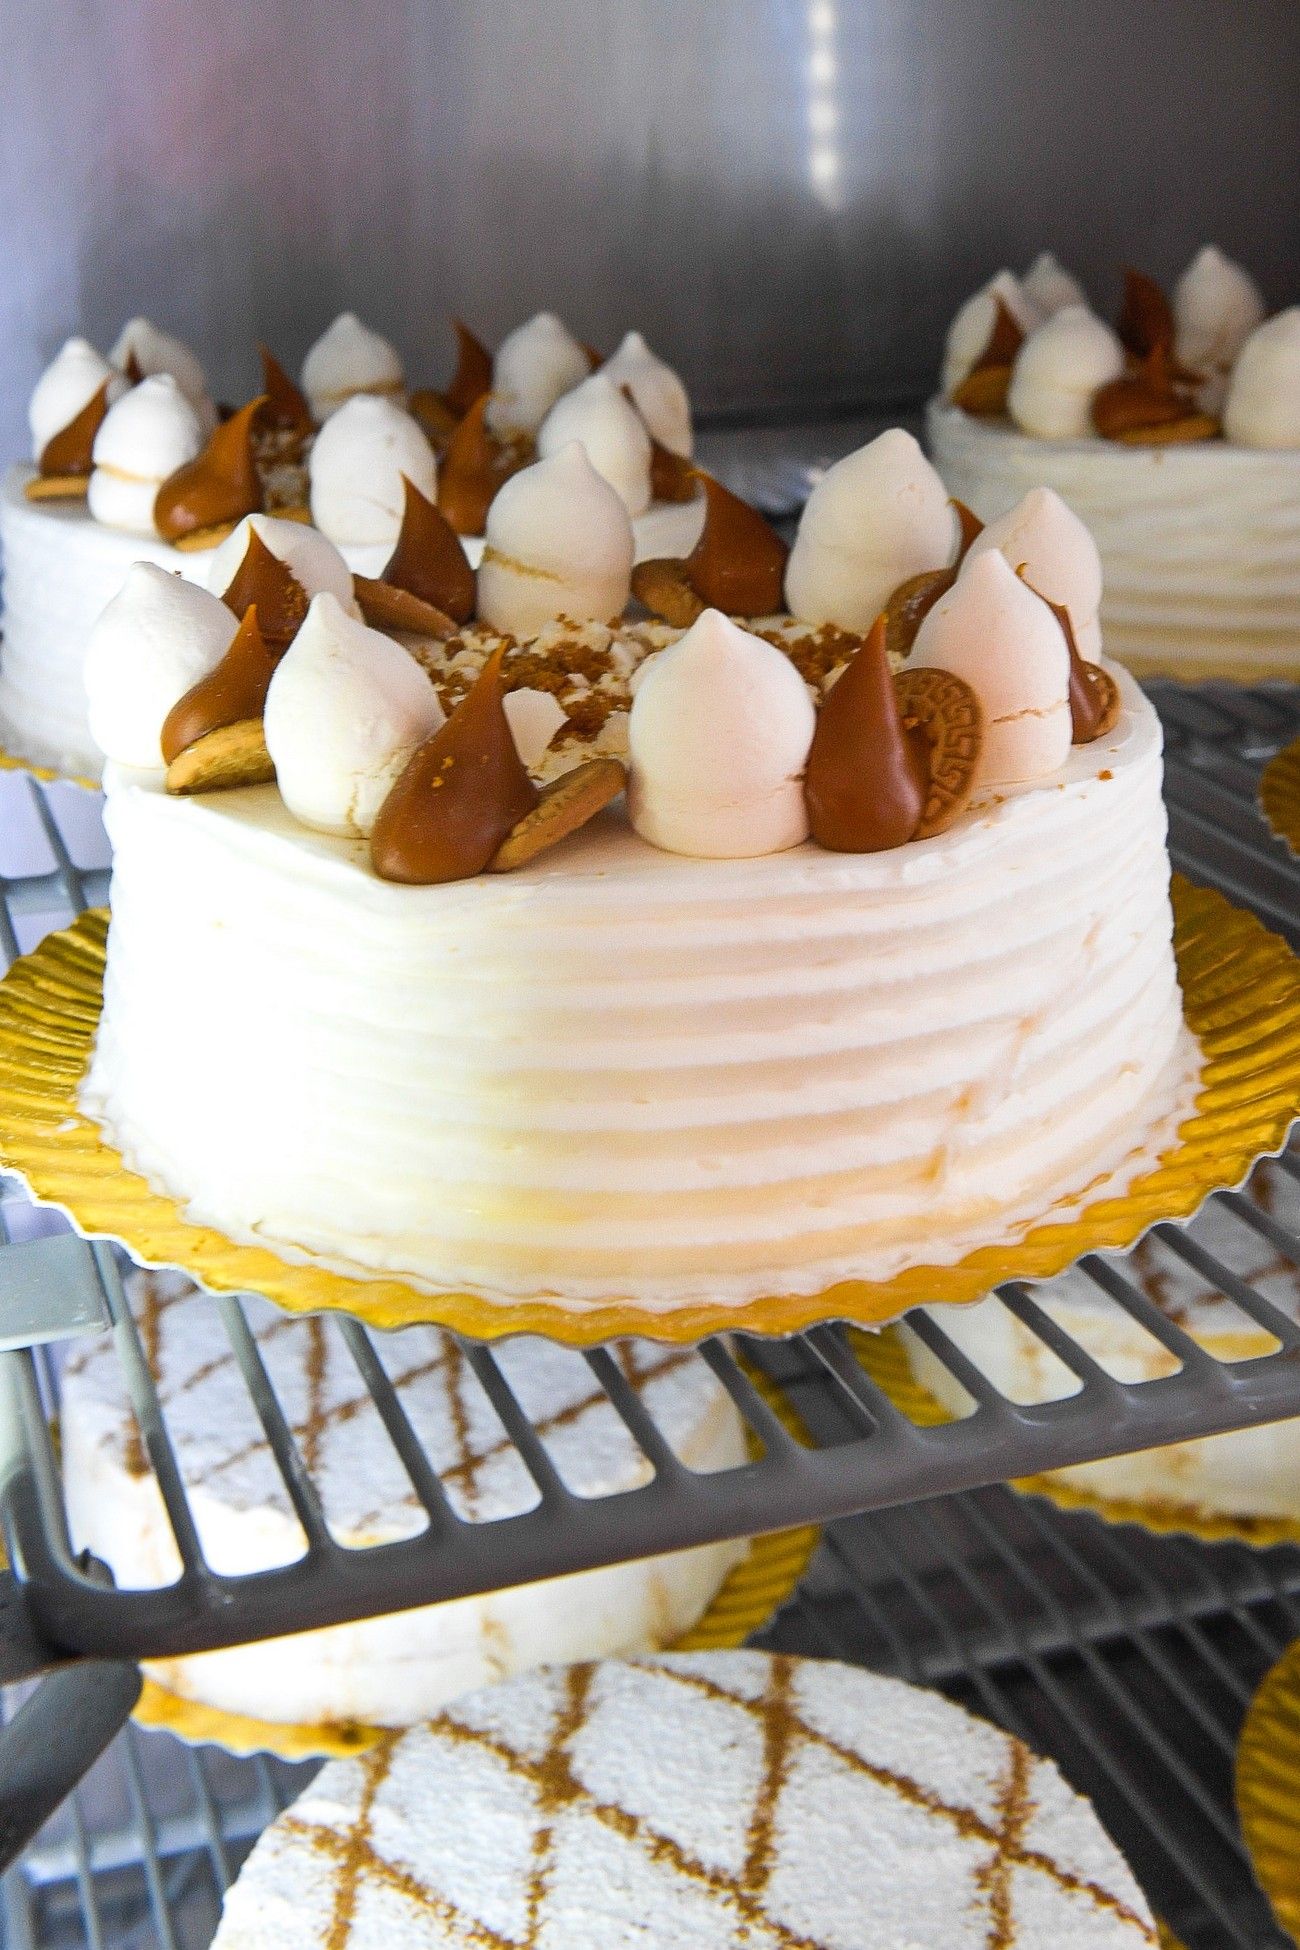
[{"x": 948, "y": 711}]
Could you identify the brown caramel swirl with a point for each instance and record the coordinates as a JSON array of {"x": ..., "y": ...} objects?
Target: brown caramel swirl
[
  {"x": 284, "y": 407},
  {"x": 1147, "y": 400},
  {"x": 219, "y": 485},
  {"x": 473, "y": 375},
  {"x": 868, "y": 774},
  {"x": 68, "y": 452},
  {"x": 738, "y": 564},
  {"x": 460, "y": 797},
  {"x": 263, "y": 581},
  {"x": 231, "y": 693},
  {"x": 473, "y": 468},
  {"x": 983, "y": 391},
  {"x": 1146, "y": 319},
  {"x": 428, "y": 560}
]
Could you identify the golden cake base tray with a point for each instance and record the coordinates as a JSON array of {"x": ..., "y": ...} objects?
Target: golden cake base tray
[
  {"x": 1279, "y": 795},
  {"x": 748, "y": 1597},
  {"x": 47, "y": 774},
  {"x": 884, "y": 1357},
  {"x": 1181, "y": 669},
  {"x": 1268, "y": 1788},
  {"x": 1241, "y": 995}
]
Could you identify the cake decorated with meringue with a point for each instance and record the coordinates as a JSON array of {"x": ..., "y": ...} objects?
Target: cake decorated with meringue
[
  {"x": 671, "y": 962},
  {"x": 1247, "y": 1479},
  {"x": 1175, "y": 438},
  {"x": 691, "y": 1801},
  {"x": 396, "y": 1670}
]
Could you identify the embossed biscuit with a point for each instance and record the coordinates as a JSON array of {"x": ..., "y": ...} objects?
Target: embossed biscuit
[
  {"x": 565, "y": 805},
  {"x": 666, "y": 590},
  {"x": 234, "y": 754},
  {"x": 948, "y": 711}
]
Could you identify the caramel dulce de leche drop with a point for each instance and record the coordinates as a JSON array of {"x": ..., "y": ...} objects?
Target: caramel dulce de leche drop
[
  {"x": 428, "y": 560},
  {"x": 868, "y": 774},
  {"x": 219, "y": 485},
  {"x": 470, "y": 473},
  {"x": 462, "y": 794},
  {"x": 262, "y": 579},
  {"x": 284, "y": 407},
  {"x": 233, "y": 690},
  {"x": 738, "y": 564},
  {"x": 1094, "y": 695},
  {"x": 473, "y": 375},
  {"x": 68, "y": 452},
  {"x": 1146, "y": 318},
  {"x": 984, "y": 389}
]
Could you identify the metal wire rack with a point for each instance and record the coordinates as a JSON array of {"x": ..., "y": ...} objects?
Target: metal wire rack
[{"x": 61, "y": 1616}]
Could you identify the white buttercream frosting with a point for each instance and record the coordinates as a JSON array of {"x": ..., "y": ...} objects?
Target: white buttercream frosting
[
  {"x": 534, "y": 365},
  {"x": 146, "y": 435},
  {"x": 559, "y": 543},
  {"x": 153, "y": 642},
  {"x": 1058, "y": 369},
  {"x": 310, "y": 557},
  {"x": 1200, "y": 543},
  {"x": 611, "y": 433},
  {"x": 718, "y": 738},
  {"x": 1049, "y": 287},
  {"x": 346, "y": 709},
  {"x": 629, "y": 1072},
  {"x": 661, "y": 398},
  {"x": 356, "y": 469},
  {"x": 394, "y": 1670},
  {"x": 1045, "y": 540},
  {"x": 704, "y": 1801},
  {"x": 877, "y": 517},
  {"x": 1216, "y": 306},
  {"x": 972, "y": 325},
  {"x": 65, "y": 388},
  {"x": 1004, "y": 640},
  {"x": 349, "y": 358},
  {"x": 156, "y": 351},
  {"x": 1262, "y": 408}
]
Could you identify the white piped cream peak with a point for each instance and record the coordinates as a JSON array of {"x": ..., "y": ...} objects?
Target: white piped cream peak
[
  {"x": 1059, "y": 367},
  {"x": 534, "y": 365},
  {"x": 661, "y": 398},
  {"x": 559, "y": 543},
  {"x": 1263, "y": 404},
  {"x": 68, "y": 384},
  {"x": 357, "y": 466},
  {"x": 349, "y": 358},
  {"x": 610, "y": 431},
  {"x": 153, "y": 642},
  {"x": 1045, "y": 540},
  {"x": 151, "y": 431}
]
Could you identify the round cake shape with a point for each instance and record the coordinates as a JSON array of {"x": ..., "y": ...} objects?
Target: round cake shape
[
  {"x": 692, "y": 1801},
  {"x": 619, "y": 1072},
  {"x": 398, "y": 1669},
  {"x": 1200, "y": 543},
  {"x": 61, "y": 568}
]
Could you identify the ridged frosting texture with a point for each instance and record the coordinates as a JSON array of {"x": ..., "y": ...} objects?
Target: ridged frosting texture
[
  {"x": 699, "y": 1801},
  {"x": 1200, "y": 545},
  {"x": 60, "y": 570},
  {"x": 394, "y": 1670},
  {"x": 620, "y": 1072}
]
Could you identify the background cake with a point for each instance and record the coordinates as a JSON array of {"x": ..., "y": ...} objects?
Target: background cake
[
  {"x": 394, "y": 1670},
  {"x": 691, "y": 1801},
  {"x": 1193, "y": 493}
]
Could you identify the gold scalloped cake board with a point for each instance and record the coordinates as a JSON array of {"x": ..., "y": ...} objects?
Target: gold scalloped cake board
[
  {"x": 1241, "y": 996},
  {"x": 1279, "y": 795},
  {"x": 1268, "y": 1788},
  {"x": 748, "y": 1597},
  {"x": 884, "y": 1357},
  {"x": 47, "y": 774}
]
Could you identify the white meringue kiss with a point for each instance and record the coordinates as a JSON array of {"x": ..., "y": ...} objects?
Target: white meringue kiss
[
  {"x": 65, "y": 388},
  {"x": 145, "y": 436},
  {"x": 1216, "y": 306},
  {"x": 1058, "y": 369},
  {"x": 973, "y": 323},
  {"x": 661, "y": 398},
  {"x": 877, "y": 517},
  {"x": 1262, "y": 408},
  {"x": 534, "y": 365},
  {"x": 308, "y": 555},
  {"x": 346, "y": 709},
  {"x": 611, "y": 432},
  {"x": 1049, "y": 287},
  {"x": 357, "y": 463},
  {"x": 718, "y": 738},
  {"x": 157, "y": 351},
  {"x": 559, "y": 543},
  {"x": 1047, "y": 543},
  {"x": 349, "y": 358},
  {"x": 1003, "y": 639},
  {"x": 151, "y": 644}
]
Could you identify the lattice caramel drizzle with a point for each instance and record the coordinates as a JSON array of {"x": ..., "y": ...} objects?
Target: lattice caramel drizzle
[{"x": 557, "y": 1786}]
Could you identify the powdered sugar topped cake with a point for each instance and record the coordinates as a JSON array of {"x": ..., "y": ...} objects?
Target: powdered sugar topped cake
[
  {"x": 394, "y": 1670},
  {"x": 692, "y": 1802}
]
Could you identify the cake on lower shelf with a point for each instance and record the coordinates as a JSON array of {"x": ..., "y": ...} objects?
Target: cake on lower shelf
[
  {"x": 1249, "y": 1477},
  {"x": 395, "y": 1670},
  {"x": 692, "y": 1802}
]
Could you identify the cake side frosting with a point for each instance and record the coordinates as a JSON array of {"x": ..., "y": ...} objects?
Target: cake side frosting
[
  {"x": 623, "y": 1070},
  {"x": 394, "y": 1670},
  {"x": 1201, "y": 543},
  {"x": 692, "y": 1801}
]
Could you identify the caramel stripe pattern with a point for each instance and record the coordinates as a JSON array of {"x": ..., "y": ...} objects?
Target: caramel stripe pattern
[{"x": 555, "y": 1786}]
